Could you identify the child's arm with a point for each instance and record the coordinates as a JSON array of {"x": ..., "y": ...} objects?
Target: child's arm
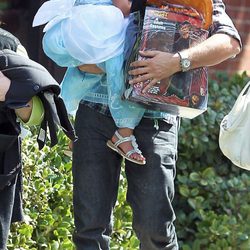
[
  {"x": 33, "y": 114},
  {"x": 90, "y": 68},
  {"x": 123, "y": 5}
]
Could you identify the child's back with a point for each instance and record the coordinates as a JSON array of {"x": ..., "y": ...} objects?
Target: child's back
[{"x": 91, "y": 31}]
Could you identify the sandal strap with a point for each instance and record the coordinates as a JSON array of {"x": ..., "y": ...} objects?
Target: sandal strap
[
  {"x": 121, "y": 139},
  {"x": 135, "y": 145},
  {"x": 131, "y": 138}
]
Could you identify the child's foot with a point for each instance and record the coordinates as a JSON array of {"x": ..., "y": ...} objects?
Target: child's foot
[{"x": 124, "y": 142}]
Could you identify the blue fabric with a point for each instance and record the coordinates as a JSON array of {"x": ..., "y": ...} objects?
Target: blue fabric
[
  {"x": 80, "y": 2},
  {"x": 77, "y": 85},
  {"x": 53, "y": 47},
  {"x": 124, "y": 113},
  {"x": 101, "y": 88},
  {"x": 96, "y": 178}
]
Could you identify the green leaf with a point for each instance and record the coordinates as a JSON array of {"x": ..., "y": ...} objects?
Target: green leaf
[
  {"x": 184, "y": 191},
  {"x": 195, "y": 177}
]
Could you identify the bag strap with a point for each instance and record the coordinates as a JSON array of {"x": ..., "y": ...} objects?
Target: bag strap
[{"x": 239, "y": 107}]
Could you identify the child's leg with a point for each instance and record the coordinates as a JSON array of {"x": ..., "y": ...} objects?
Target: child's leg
[{"x": 125, "y": 114}]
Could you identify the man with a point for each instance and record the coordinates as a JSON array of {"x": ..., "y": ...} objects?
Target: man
[{"x": 96, "y": 168}]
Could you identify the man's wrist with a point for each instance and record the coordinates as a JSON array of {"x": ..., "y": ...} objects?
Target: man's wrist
[
  {"x": 176, "y": 62},
  {"x": 185, "y": 62}
]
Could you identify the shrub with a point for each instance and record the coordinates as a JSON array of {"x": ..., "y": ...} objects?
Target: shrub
[{"x": 212, "y": 195}]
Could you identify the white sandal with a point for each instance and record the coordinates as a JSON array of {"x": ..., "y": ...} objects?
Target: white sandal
[{"x": 115, "y": 147}]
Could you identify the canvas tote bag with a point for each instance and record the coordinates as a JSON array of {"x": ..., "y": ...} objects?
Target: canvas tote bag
[{"x": 234, "y": 137}]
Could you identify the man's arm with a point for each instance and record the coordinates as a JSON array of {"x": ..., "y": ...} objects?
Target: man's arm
[
  {"x": 223, "y": 44},
  {"x": 160, "y": 65},
  {"x": 213, "y": 51}
]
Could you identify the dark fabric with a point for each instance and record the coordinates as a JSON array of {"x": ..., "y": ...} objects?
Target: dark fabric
[
  {"x": 51, "y": 120},
  {"x": 10, "y": 159},
  {"x": 28, "y": 79},
  {"x": 7, "y": 197},
  {"x": 64, "y": 121},
  {"x": 6, "y": 142},
  {"x": 138, "y": 5},
  {"x": 10, "y": 184},
  {"x": 96, "y": 171},
  {"x": 10, "y": 209},
  {"x": 8, "y": 41},
  {"x": 99, "y": 107}
]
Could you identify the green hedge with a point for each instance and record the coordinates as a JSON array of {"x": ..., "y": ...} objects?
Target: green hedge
[{"x": 212, "y": 196}]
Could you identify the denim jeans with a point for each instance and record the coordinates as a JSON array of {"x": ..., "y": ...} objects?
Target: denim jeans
[
  {"x": 10, "y": 184},
  {"x": 96, "y": 170}
]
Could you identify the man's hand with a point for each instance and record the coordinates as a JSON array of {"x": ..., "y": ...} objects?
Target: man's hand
[
  {"x": 90, "y": 68},
  {"x": 157, "y": 66},
  {"x": 4, "y": 86}
]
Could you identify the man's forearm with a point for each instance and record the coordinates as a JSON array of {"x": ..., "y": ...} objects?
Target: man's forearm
[
  {"x": 160, "y": 65},
  {"x": 212, "y": 51}
]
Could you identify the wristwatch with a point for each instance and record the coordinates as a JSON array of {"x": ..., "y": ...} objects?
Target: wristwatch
[{"x": 185, "y": 63}]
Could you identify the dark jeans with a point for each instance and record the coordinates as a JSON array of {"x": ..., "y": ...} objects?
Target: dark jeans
[
  {"x": 10, "y": 185},
  {"x": 7, "y": 210},
  {"x": 96, "y": 170}
]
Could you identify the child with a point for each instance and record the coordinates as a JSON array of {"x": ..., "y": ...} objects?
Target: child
[{"x": 92, "y": 32}]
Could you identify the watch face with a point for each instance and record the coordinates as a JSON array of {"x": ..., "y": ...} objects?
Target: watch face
[{"x": 186, "y": 63}]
